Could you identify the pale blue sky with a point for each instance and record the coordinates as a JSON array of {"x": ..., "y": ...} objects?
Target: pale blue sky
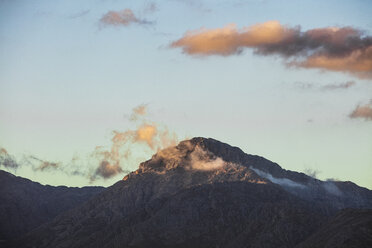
[{"x": 66, "y": 82}]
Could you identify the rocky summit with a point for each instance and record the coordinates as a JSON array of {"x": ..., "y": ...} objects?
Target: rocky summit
[{"x": 205, "y": 193}]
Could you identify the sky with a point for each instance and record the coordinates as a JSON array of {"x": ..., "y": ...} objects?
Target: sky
[{"x": 89, "y": 89}]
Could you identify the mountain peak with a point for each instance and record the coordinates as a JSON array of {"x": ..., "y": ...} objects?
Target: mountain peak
[
  {"x": 204, "y": 154},
  {"x": 187, "y": 154},
  {"x": 205, "y": 160}
]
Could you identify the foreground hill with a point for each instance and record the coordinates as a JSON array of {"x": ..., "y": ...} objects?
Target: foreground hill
[
  {"x": 25, "y": 205},
  {"x": 202, "y": 193}
]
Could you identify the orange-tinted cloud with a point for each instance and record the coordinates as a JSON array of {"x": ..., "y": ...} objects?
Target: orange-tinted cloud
[
  {"x": 147, "y": 133},
  {"x": 138, "y": 112},
  {"x": 358, "y": 62},
  {"x": 106, "y": 170},
  {"x": 123, "y": 17},
  {"x": 229, "y": 40},
  {"x": 147, "y": 136},
  {"x": 46, "y": 165},
  {"x": 42, "y": 165},
  {"x": 337, "y": 49},
  {"x": 362, "y": 111}
]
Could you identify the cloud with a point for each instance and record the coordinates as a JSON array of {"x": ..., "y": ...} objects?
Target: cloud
[
  {"x": 311, "y": 172},
  {"x": 147, "y": 134},
  {"x": 150, "y": 8},
  {"x": 7, "y": 161},
  {"x": 107, "y": 170},
  {"x": 344, "y": 49},
  {"x": 138, "y": 112},
  {"x": 109, "y": 161},
  {"x": 123, "y": 17},
  {"x": 191, "y": 157},
  {"x": 42, "y": 165},
  {"x": 280, "y": 181},
  {"x": 197, "y": 5},
  {"x": 362, "y": 111},
  {"x": 201, "y": 160},
  {"x": 36, "y": 164},
  {"x": 327, "y": 87},
  {"x": 332, "y": 188},
  {"x": 303, "y": 85},
  {"x": 345, "y": 85},
  {"x": 106, "y": 162},
  {"x": 79, "y": 14}
]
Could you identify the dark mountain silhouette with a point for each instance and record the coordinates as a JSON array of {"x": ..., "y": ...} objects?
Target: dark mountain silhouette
[
  {"x": 203, "y": 193},
  {"x": 25, "y": 205},
  {"x": 350, "y": 228}
]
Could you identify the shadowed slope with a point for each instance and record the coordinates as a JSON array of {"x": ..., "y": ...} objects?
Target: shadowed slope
[
  {"x": 350, "y": 228},
  {"x": 25, "y": 205}
]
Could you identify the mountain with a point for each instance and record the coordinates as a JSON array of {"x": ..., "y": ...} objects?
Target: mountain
[
  {"x": 202, "y": 193},
  {"x": 350, "y": 228},
  {"x": 25, "y": 205}
]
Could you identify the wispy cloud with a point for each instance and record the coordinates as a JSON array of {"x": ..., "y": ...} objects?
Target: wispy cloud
[
  {"x": 343, "y": 49},
  {"x": 43, "y": 165},
  {"x": 7, "y": 161},
  {"x": 123, "y": 17},
  {"x": 338, "y": 86},
  {"x": 363, "y": 111},
  {"x": 79, "y": 14},
  {"x": 327, "y": 87},
  {"x": 201, "y": 160},
  {"x": 105, "y": 162},
  {"x": 303, "y": 85},
  {"x": 281, "y": 181},
  {"x": 312, "y": 172},
  {"x": 147, "y": 134},
  {"x": 138, "y": 111},
  {"x": 150, "y": 7},
  {"x": 197, "y": 5}
]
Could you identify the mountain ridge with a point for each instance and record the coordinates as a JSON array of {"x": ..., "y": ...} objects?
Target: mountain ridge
[
  {"x": 25, "y": 205},
  {"x": 202, "y": 193}
]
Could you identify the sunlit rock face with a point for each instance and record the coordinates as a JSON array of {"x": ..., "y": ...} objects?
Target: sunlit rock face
[{"x": 202, "y": 193}]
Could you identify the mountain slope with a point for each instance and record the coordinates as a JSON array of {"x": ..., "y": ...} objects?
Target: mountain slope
[
  {"x": 202, "y": 192},
  {"x": 222, "y": 213},
  {"x": 24, "y": 205},
  {"x": 350, "y": 228}
]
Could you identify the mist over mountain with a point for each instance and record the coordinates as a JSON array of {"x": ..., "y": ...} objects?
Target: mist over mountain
[{"x": 205, "y": 193}]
